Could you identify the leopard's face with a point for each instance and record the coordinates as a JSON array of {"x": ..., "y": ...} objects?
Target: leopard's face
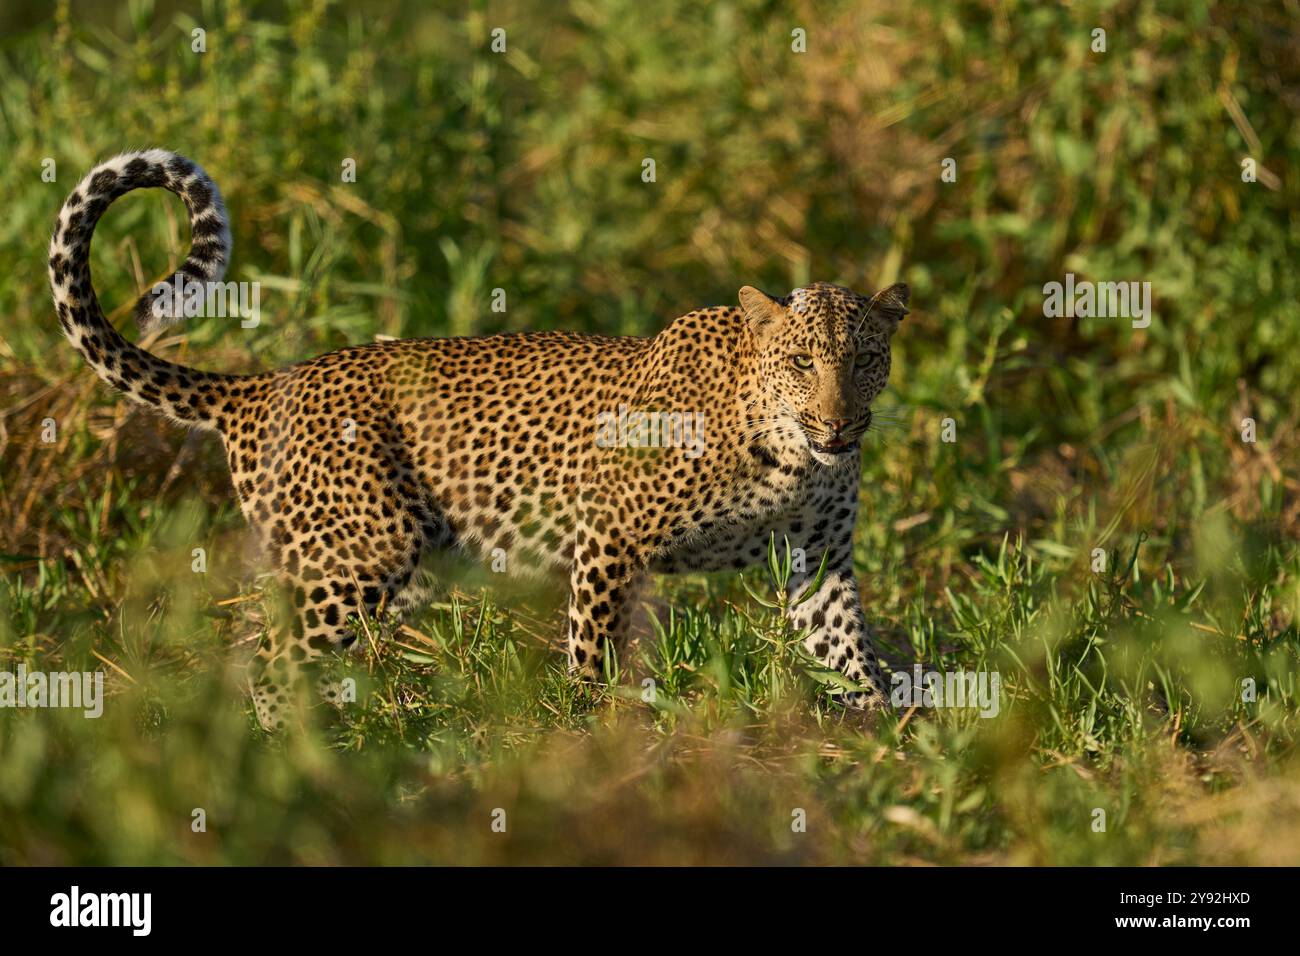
[{"x": 824, "y": 357}]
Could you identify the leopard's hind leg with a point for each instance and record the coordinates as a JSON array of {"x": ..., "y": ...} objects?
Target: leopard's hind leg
[
  {"x": 335, "y": 500},
  {"x": 328, "y": 586}
]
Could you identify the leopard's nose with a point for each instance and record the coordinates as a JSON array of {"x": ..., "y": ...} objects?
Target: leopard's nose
[{"x": 836, "y": 425}]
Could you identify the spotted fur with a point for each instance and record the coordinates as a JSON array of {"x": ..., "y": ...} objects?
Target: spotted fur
[{"x": 350, "y": 466}]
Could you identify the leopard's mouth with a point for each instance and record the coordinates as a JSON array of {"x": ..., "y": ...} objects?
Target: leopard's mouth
[
  {"x": 838, "y": 444},
  {"x": 833, "y": 446}
]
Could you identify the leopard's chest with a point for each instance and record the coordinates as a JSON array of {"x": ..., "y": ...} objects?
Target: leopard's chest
[{"x": 798, "y": 501}]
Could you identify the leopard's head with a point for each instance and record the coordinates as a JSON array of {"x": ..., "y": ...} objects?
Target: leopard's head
[{"x": 823, "y": 355}]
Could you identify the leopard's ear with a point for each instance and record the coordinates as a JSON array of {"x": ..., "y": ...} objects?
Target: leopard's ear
[
  {"x": 761, "y": 310},
  {"x": 890, "y": 305}
]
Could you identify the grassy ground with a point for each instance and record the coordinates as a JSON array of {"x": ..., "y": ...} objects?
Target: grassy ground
[{"x": 1125, "y": 690}]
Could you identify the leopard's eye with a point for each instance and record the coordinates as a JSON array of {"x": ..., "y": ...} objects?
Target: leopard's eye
[{"x": 803, "y": 363}]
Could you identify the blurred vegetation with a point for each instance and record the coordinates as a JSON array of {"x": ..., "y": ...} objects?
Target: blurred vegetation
[{"x": 522, "y": 171}]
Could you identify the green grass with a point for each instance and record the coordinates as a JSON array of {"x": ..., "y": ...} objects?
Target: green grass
[{"x": 1122, "y": 688}]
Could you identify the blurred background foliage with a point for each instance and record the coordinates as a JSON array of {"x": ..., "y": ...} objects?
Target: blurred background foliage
[{"x": 522, "y": 171}]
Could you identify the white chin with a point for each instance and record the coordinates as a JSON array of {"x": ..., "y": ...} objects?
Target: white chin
[{"x": 828, "y": 461}]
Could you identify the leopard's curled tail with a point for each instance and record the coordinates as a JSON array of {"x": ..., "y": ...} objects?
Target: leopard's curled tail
[{"x": 187, "y": 395}]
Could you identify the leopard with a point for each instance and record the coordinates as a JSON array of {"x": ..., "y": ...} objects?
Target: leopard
[{"x": 602, "y": 459}]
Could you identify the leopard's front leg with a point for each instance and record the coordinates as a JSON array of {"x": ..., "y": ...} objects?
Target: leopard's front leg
[
  {"x": 605, "y": 578},
  {"x": 838, "y": 635}
]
